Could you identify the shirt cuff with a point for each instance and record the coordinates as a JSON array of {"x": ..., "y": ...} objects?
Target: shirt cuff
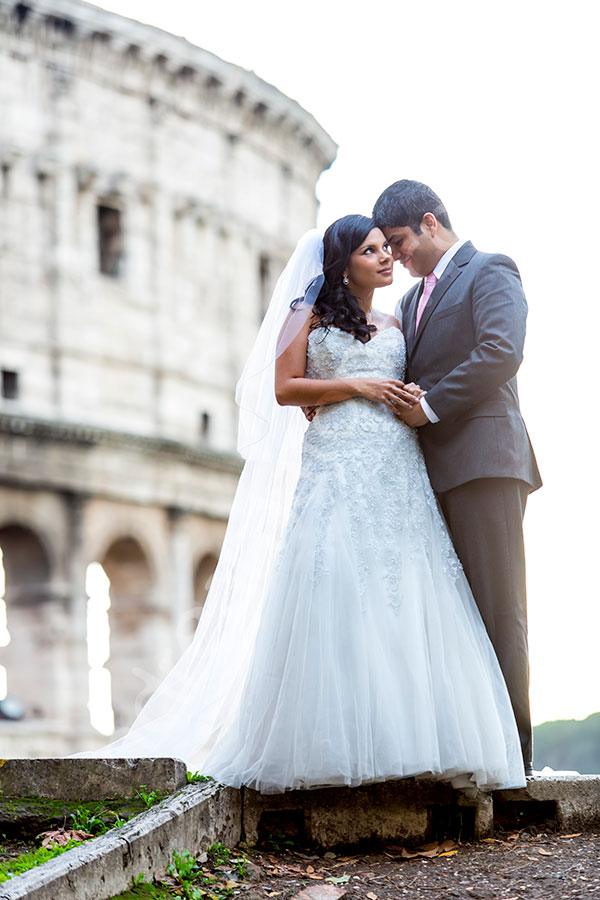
[{"x": 428, "y": 410}]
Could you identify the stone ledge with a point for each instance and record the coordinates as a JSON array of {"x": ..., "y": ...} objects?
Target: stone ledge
[
  {"x": 408, "y": 810},
  {"x": 415, "y": 810},
  {"x": 192, "y": 819},
  {"x": 573, "y": 800},
  {"x": 88, "y": 435},
  {"x": 89, "y": 779}
]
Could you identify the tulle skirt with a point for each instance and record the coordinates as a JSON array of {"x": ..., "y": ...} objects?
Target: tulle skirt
[{"x": 371, "y": 661}]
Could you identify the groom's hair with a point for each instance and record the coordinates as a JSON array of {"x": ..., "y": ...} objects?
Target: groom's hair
[{"x": 405, "y": 203}]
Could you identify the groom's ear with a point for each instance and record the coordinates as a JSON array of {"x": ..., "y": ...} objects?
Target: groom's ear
[{"x": 429, "y": 224}]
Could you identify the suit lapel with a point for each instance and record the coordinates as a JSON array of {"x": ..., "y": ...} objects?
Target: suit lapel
[{"x": 451, "y": 273}]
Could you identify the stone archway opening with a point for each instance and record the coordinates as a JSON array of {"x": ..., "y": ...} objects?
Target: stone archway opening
[
  {"x": 97, "y": 588},
  {"x": 135, "y": 624},
  {"x": 4, "y": 632},
  {"x": 31, "y": 626}
]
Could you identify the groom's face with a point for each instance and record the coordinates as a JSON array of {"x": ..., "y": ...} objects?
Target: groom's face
[{"x": 417, "y": 252}]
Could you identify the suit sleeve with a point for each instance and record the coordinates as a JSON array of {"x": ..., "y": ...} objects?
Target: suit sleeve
[{"x": 499, "y": 311}]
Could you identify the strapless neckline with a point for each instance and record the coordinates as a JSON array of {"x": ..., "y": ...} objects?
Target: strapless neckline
[{"x": 361, "y": 343}]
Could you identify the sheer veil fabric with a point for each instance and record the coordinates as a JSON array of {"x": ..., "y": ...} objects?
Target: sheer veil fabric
[{"x": 199, "y": 698}]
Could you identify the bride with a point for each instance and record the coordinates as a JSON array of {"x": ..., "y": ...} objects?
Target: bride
[{"x": 340, "y": 643}]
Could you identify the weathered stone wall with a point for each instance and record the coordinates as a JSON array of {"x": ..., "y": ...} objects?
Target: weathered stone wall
[
  {"x": 149, "y": 195},
  {"x": 212, "y": 172}
]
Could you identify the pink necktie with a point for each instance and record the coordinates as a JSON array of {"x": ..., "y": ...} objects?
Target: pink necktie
[{"x": 430, "y": 283}]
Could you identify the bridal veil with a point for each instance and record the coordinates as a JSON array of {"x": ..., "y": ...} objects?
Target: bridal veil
[{"x": 199, "y": 697}]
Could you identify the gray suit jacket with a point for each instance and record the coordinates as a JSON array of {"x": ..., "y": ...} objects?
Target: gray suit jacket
[{"x": 465, "y": 354}]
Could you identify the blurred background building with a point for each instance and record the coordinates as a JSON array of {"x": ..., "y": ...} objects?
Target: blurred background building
[{"x": 149, "y": 195}]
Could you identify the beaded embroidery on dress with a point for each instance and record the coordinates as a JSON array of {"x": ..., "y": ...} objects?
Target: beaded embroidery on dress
[{"x": 371, "y": 660}]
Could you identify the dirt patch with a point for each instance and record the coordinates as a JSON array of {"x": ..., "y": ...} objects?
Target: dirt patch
[{"x": 518, "y": 866}]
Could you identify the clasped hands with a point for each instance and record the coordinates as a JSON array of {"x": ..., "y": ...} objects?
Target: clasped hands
[{"x": 402, "y": 399}]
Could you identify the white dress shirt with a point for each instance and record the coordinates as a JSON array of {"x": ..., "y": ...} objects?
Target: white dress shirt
[{"x": 439, "y": 270}]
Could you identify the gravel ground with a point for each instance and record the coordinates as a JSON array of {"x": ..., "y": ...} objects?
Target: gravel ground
[{"x": 517, "y": 866}]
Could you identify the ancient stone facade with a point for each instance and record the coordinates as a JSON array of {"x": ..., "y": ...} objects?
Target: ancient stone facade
[{"x": 149, "y": 194}]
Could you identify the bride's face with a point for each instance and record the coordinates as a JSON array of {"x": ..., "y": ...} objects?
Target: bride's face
[{"x": 371, "y": 264}]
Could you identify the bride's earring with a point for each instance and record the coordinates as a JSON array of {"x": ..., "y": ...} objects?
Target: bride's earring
[{"x": 346, "y": 280}]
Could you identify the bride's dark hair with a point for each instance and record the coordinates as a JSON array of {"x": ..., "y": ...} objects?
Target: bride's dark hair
[{"x": 336, "y": 304}]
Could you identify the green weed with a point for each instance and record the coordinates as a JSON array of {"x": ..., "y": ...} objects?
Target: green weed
[
  {"x": 148, "y": 798},
  {"x": 196, "y": 778}
]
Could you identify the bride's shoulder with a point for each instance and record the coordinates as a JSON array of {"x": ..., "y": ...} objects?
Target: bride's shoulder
[{"x": 385, "y": 320}]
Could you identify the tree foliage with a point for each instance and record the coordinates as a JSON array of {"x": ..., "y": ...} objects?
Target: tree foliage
[{"x": 569, "y": 744}]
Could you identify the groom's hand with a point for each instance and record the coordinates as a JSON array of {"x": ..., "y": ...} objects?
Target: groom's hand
[
  {"x": 415, "y": 389},
  {"x": 309, "y": 412},
  {"x": 414, "y": 417}
]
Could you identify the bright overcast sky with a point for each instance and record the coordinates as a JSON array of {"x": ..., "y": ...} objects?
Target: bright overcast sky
[{"x": 495, "y": 105}]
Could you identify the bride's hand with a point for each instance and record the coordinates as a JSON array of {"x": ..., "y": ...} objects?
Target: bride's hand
[{"x": 386, "y": 390}]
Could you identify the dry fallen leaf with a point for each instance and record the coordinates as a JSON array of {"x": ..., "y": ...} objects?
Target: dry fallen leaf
[
  {"x": 60, "y": 837},
  {"x": 310, "y": 869},
  {"x": 567, "y": 836},
  {"x": 372, "y": 896},
  {"x": 544, "y": 852},
  {"x": 448, "y": 845},
  {"x": 427, "y": 851}
]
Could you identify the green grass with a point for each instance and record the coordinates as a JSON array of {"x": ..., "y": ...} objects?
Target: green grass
[{"x": 30, "y": 859}]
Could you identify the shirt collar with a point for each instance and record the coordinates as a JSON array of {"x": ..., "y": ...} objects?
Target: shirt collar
[{"x": 445, "y": 259}]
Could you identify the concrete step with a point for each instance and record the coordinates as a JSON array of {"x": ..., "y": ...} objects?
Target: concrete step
[{"x": 89, "y": 779}]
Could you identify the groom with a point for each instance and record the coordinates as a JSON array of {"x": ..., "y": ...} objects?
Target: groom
[{"x": 464, "y": 324}]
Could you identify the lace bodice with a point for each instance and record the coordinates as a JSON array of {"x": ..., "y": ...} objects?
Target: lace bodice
[
  {"x": 337, "y": 354},
  {"x": 362, "y": 448}
]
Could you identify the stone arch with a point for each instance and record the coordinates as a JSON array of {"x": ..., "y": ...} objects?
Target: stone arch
[
  {"x": 27, "y": 564},
  {"x": 35, "y": 621},
  {"x": 136, "y": 626}
]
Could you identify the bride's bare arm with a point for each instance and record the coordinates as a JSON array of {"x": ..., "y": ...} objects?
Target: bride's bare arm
[{"x": 292, "y": 388}]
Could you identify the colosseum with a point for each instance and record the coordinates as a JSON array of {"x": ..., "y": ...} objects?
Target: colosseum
[{"x": 149, "y": 195}]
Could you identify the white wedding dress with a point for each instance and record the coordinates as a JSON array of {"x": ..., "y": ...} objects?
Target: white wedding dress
[{"x": 371, "y": 661}]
